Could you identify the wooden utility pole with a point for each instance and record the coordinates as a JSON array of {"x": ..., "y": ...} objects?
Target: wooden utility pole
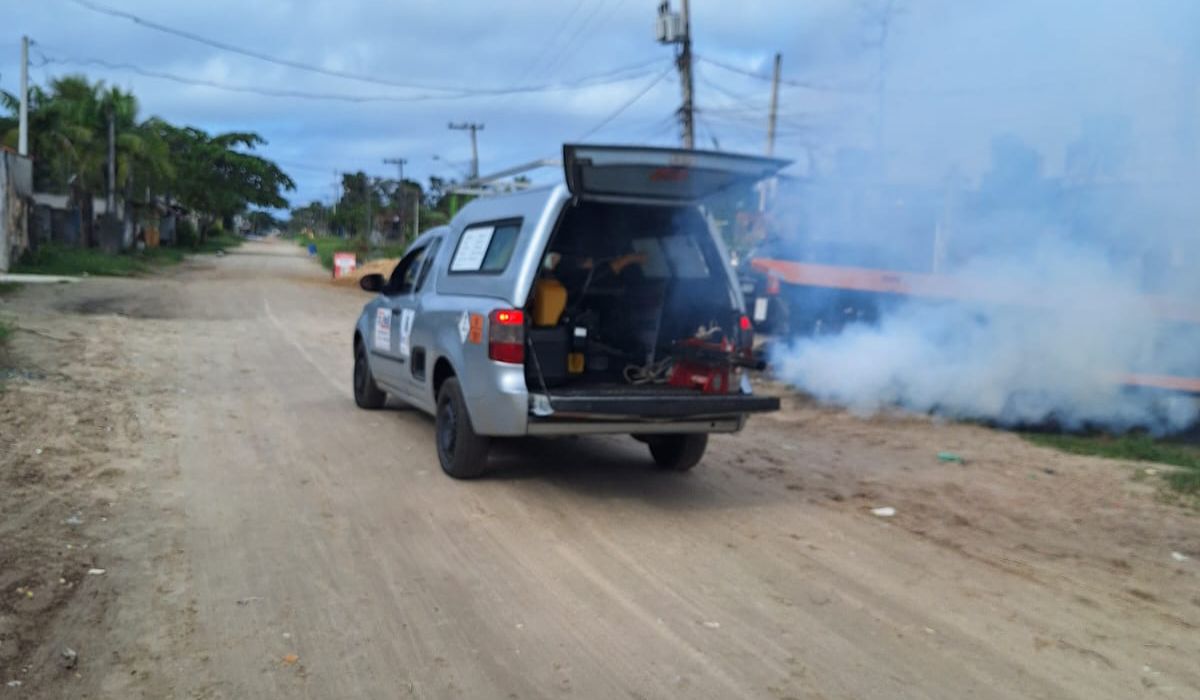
[
  {"x": 399, "y": 163},
  {"x": 23, "y": 129},
  {"x": 687, "y": 110},
  {"x": 110, "y": 202},
  {"x": 472, "y": 127},
  {"x": 370, "y": 196},
  {"x": 774, "y": 105}
]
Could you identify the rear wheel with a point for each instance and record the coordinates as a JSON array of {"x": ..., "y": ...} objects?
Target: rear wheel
[
  {"x": 366, "y": 393},
  {"x": 462, "y": 453},
  {"x": 677, "y": 452}
]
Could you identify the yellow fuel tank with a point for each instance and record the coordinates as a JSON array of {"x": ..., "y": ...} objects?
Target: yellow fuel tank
[{"x": 549, "y": 300}]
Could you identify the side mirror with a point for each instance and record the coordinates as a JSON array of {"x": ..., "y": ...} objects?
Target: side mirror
[{"x": 371, "y": 283}]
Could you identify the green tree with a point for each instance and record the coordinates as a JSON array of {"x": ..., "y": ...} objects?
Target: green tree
[{"x": 217, "y": 176}]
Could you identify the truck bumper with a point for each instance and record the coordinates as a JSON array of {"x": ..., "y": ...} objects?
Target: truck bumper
[
  {"x": 584, "y": 412},
  {"x": 540, "y": 426}
]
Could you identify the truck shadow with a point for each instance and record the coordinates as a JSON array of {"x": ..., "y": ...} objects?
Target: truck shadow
[{"x": 618, "y": 467}]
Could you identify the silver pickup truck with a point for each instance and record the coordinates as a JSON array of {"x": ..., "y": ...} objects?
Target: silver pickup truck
[{"x": 604, "y": 304}]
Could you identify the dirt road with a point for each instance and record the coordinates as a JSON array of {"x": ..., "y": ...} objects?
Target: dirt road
[{"x": 261, "y": 537}]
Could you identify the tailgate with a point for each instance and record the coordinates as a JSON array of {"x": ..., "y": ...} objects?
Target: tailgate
[{"x": 655, "y": 403}]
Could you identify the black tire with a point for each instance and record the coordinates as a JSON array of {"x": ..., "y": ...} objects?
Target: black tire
[
  {"x": 678, "y": 452},
  {"x": 367, "y": 393},
  {"x": 462, "y": 453}
]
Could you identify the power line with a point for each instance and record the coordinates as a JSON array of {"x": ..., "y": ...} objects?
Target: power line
[
  {"x": 150, "y": 24},
  {"x": 566, "y": 47},
  {"x": 610, "y": 77},
  {"x": 794, "y": 83},
  {"x": 608, "y": 16},
  {"x": 740, "y": 100},
  {"x": 641, "y": 93},
  {"x": 546, "y": 47}
]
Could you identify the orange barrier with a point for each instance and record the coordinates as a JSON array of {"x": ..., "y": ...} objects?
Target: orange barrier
[
  {"x": 918, "y": 284},
  {"x": 929, "y": 286},
  {"x": 1163, "y": 381}
]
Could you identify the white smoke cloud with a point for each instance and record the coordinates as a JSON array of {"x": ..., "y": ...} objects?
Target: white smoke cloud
[{"x": 1075, "y": 244}]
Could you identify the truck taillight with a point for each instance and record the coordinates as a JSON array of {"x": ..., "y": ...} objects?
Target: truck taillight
[
  {"x": 506, "y": 336},
  {"x": 745, "y": 332}
]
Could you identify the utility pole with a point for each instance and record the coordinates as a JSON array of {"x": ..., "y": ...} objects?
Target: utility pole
[
  {"x": 686, "y": 115},
  {"x": 23, "y": 138},
  {"x": 676, "y": 29},
  {"x": 774, "y": 105},
  {"x": 472, "y": 127},
  {"x": 370, "y": 196},
  {"x": 399, "y": 163},
  {"x": 110, "y": 202}
]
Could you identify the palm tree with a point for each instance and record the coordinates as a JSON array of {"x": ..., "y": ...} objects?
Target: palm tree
[{"x": 69, "y": 126}]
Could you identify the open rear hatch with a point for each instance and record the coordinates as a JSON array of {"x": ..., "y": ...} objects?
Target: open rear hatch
[
  {"x": 660, "y": 174},
  {"x": 635, "y": 316}
]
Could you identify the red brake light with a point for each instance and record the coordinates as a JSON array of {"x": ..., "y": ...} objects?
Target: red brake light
[
  {"x": 506, "y": 336},
  {"x": 509, "y": 317},
  {"x": 746, "y": 337}
]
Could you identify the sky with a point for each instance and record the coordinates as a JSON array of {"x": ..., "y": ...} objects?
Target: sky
[{"x": 1009, "y": 71}]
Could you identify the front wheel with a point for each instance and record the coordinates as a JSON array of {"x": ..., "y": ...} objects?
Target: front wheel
[
  {"x": 678, "y": 452},
  {"x": 462, "y": 453},
  {"x": 367, "y": 394}
]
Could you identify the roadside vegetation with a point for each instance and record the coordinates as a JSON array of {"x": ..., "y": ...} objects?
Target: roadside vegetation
[
  {"x": 1184, "y": 478},
  {"x": 9, "y": 287},
  {"x": 214, "y": 177},
  {"x": 52, "y": 259},
  {"x": 328, "y": 245}
]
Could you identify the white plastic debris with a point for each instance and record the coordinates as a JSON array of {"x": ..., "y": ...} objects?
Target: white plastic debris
[
  {"x": 1179, "y": 556},
  {"x": 884, "y": 512},
  {"x": 96, "y": 572},
  {"x": 1150, "y": 472},
  {"x": 74, "y": 520},
  {"x": 713, "y": 625},
  {"x": 13, "y": 684}
]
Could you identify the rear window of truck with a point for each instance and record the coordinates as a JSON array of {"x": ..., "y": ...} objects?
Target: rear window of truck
[{"x": 485, "y": 248}]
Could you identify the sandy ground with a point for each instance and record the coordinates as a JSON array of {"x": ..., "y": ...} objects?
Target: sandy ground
[{"x": 194, "y": 436}]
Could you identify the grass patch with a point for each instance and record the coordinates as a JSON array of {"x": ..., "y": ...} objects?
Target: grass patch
[
  {"x": 67, "y": 260},
  {"x": 214, "y": 243},
  {"x": 328, "y": 245},
  {"x": 1134, "y": 448},
  {"x": 53, "y": 259},
  {"x": 5, "y": 332},
  {"x": 9, "y": 287}
]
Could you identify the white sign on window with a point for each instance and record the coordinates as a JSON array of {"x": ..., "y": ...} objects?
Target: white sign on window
[{"x": 471, "y": 249}]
